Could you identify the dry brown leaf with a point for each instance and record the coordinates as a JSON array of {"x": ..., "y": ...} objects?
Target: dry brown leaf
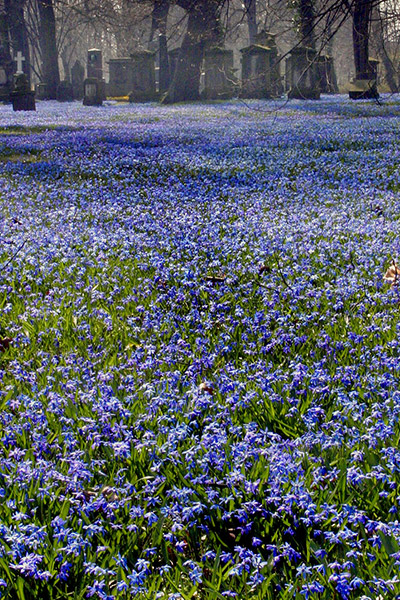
[
  {"x": 392, "y": 275},
  {"x": 206, "y": 387},
  {"x": 220, "y": 278},
  {"x": 264, "y": 269},
  {"x": 5, "y": 343}
]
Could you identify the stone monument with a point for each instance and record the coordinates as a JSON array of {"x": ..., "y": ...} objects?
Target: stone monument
[
  {"x": 95, "y": 68},
  {"x": 92, "y": 92},
  {"x": 121, "y": 79},
  {"x": 65, "y": 91},
  {"x": 143, "y": 77},
  {"x": 41, "y": 91},
  {"x": 366, "y": 87},
  {"x": 77, "y": 79},
  {"x": 327, "y": 81},
  {"x": 22, "y": 97},
  {"x": 256, "y": 72},
  {"x": 4, "y": 85},
  {"x": 268, "y": 40},
  {"x": 302, "y": 74},
  {"x": 220, "y": 82}
]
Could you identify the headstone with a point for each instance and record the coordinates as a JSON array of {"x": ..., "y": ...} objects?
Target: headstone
[
  {"x": 143, "y": 77},
  {"x": 22, "y": 97},
  {"x": 366, "y": 87},
  {"x": 256, "y": 72},
  {"x": 220, "y": 82},
  {"x": 120, "y": 70},
  {"x": 65, "y": 91},
  {"x": 4, "y": 85},
  {"x": 268, "y": 40},
  {"x": 77, "y": 79},
  {"x": 41, "y": 91},
  {"x": 302, "y": 74},
  {"x": 95, "y": 64},
  {"x": 95, "y": 68},
  {"x": 92, "y": 92},
  {"x": 19, "y": 59},
  {"x": 362, "y": 89},
  {"x": 326, "y": 74},
  {"x": 173, "y": 56}
]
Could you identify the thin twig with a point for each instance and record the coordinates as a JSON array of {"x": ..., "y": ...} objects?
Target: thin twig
[
  {"x": 281, "y": 274},
  {"x": 13, "y": 256}
]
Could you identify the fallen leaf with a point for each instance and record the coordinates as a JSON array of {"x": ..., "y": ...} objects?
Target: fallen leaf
[
  {"x": 109, "y": 494},
  {"x": 5, "y": 344},
  {"x": 392, "y": 275},
  {"x": 220, "y": 278},
  {"x": 206, "y": 387},
  {"x": 264, "y": 268}
]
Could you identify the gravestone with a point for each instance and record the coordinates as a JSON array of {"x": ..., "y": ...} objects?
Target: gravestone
[
  {"x": 366, "y": 87},
  {"x": 220, "y": 81},
  {"x": 173, "y": 56},
  {"x": 92, "y": 92},
  {"x": 256, "y": 72},
  {"x": 4, "y": 85},
  {"x": 77, "y": 79},
  {"x": 268, "y": 40},
  {"x": 143, "y": 77},
  {"x": 120, "y": 70},
  {"x": 302, "y": 74},
  {"x": 95, "y": 68},
  {"x": 95, "y": 64},
  {"x": 41, "y": 91},
  {"x": 327, "y": 81},
  {"x": 363, "y": 89},
  {"x": 65, "y": 91},
  {"x": 22, "y": 97}
]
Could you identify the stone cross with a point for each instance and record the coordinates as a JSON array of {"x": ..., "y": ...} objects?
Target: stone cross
[{"x": 19, "y": 59}]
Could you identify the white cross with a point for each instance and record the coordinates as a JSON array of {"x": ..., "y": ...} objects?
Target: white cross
[{"x": 19, "y": 59}]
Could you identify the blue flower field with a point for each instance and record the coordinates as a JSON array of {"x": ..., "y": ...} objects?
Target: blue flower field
[{"x": 200, "y": 356}]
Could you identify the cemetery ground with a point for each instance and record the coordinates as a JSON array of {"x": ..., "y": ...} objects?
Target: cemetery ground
[{"x": 200, "y": 356}]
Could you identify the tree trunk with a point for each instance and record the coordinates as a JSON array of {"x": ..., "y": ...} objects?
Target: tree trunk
[
  {"x": 5, "y": 56},
  {"x": 14, "y": 11},
  {"x": 159, "y": 22},
  {"x": 379, "y": 37},
  {"x": 306, "y": 14},
  {"x": 163, "y": 73},
  {"x": 251, "y": 13},
  {"x": 48, "y": 47},
  {"x": 203, "y": 30},
  {"x": 361, "y": 21}
]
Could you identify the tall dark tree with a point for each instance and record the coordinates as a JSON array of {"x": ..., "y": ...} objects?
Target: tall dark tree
[
  {"x": 5, "y": 56},
  {"x": 250, "y": 7},
  {"x": 48, "y": 47},
  {"x": 380, "y": 36},
  {"x": 159, "y": 23},
  {"x": 14, "y": 13},
  {"x": 203, "y": 30},
  {"x": 307, "y": 23},
  {"x": 362, "y": 13}
]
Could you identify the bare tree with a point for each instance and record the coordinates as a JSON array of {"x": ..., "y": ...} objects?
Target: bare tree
[
  {"x": 48, "y": 47},
  {"x": 14, "y": 12},
  {"x": 203, "y": 30},
  {"x": 250, "y": 7}
]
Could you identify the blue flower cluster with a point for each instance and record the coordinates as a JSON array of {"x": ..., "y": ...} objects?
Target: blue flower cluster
[{"x": 200, "y": 384}]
